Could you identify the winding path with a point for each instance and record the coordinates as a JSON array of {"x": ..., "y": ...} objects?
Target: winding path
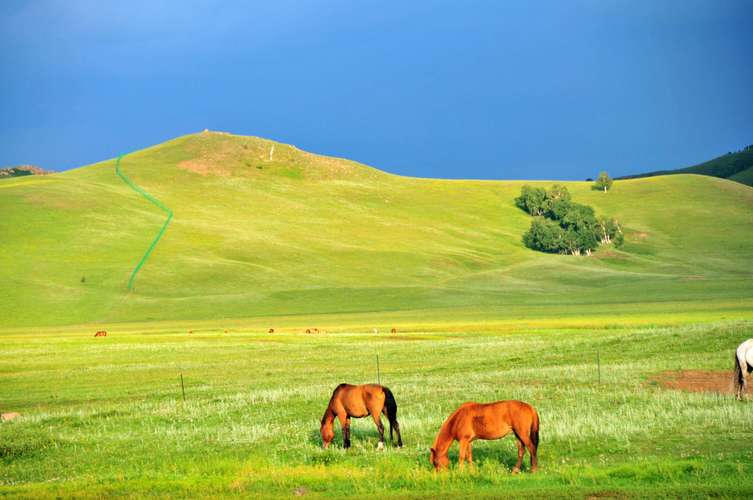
[{"x": 162, "y": 230}]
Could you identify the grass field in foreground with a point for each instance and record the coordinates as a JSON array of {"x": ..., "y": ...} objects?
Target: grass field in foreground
[{"x": 105, "y": 416}]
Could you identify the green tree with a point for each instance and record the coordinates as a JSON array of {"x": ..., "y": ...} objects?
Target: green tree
[
  {"x": 544, "y": 235},
  {"x": 532, "y": 200},
  {"x": 609, "y": 231},
  {"x": 557, "y": 202},
  {"x": 563, "y": 226},
  {"x": 603, "y": 182}
]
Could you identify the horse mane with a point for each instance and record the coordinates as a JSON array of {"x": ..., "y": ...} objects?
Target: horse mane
[
  {"x": 331, "y": 399},
  {"x": 447, "y": 424}
]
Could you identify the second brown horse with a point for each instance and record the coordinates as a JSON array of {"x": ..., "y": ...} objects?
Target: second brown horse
[
  {"x": 359, "y": 401},
  {"x": 487, "y": 421}
]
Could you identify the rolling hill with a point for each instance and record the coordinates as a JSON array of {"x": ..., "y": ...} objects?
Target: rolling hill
[
  {"x": 737, "y": 166},
  {"x": 264, "y": 230}
]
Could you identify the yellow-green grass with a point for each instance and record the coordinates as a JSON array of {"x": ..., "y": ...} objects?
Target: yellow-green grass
[
  {"x": 105, "y": 417},
  {"x": 302, "y": 238}
]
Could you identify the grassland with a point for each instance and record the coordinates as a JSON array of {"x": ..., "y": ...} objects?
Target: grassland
[
  {"x": 280, "y": 238},
  {"x": 105, "y": 416}
]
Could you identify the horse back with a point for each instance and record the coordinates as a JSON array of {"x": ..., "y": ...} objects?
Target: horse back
[
  {"x": 358, "y": 400},
  {"x": 745, "y": 353},
  {"x": 495, "y": 420}
]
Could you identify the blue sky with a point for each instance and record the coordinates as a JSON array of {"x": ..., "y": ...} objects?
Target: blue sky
[{"x": 477, "y": 89}]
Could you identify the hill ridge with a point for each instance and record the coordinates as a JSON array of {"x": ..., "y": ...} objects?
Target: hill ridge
[{"x": 736, "y": 166}]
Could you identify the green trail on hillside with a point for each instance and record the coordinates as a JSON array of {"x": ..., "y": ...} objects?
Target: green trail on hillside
[
  {"x": 263, "y": 229},
  {"x": 151, "y": 199}
]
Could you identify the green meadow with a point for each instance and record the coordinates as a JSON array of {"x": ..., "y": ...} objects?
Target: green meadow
[
  {"x": 105, "y": 417},
  {"x": 265, "y": 235}
]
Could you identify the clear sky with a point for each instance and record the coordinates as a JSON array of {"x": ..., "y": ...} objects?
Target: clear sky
[{"x": 463, "y": 89}]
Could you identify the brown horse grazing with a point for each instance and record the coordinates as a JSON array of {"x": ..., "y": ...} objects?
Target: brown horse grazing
[
  {"x": 487, "y": 421},
  {"x": 359, "y": 401},
  {"x": 101, "y": 333}
]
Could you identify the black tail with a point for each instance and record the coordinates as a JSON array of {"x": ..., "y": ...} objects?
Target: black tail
[
  {"x": 535, "y": 431},
  {"x": 738, "y": 377},
  {"x": 390, "y": 406}
]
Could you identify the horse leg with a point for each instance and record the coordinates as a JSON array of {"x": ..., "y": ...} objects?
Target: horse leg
[
  {"x": 470, "y": 452},
  {"x": 744, "y": 386},
  {"x": 345, "y": 425},
  {"x": 380, "y": 427},
  {"x": 521, "y": 452},
  {"x": 465, "y": 452},
  {"x": 532, "y": 452}
]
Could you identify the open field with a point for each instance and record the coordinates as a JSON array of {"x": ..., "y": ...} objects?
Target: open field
[
  {"x": 105, "y": 416},
  {"x": 267, "y": 236}
]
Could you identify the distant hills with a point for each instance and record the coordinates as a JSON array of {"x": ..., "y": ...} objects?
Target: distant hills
[
  {"x": 21, "y": 170},
  {"x": 737, "y": 166},
  {"x": 263, "y": 229}
]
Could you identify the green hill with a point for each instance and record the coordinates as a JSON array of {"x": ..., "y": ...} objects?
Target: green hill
[
  {"x": 737, "y": 166},
  {"x": 263, "y": 229}
]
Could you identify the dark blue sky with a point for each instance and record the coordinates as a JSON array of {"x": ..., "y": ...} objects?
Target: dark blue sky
[{"x": 479, "y": 89}]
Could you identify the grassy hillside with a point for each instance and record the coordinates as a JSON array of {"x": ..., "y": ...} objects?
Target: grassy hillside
[
  {"x": 737, "y": 166},
  {"x": 283, "y": 233}
]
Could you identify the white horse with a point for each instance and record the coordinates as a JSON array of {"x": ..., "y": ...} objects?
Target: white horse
[{"x": 743, "y": 366}]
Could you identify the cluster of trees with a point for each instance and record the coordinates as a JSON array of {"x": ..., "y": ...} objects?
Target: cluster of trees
[{"x": 563, "y": 226}]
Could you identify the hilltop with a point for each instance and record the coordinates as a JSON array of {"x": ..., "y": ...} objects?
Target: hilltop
[
  {"x": 21, "y": 171},
  {"x": 736, "y": 166},
  {"x": 262, "y": 229}
]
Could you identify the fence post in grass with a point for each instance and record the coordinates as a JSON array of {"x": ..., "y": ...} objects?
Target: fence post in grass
[
  {"x": 379, "y": 379},
  {"x": 182, "y": 387},
  {"x": 598, "y": 365}
]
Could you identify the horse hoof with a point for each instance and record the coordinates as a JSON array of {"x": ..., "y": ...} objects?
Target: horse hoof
[
  {"x": 516, "y": 471},
  {"x": 380, "y": 446}
]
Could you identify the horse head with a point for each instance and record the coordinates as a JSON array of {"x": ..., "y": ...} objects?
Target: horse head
[{"x": 439, "y": 461}]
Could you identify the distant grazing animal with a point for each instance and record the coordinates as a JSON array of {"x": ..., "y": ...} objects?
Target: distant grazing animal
[
  {"x": 101, "y": 333},
  {"x": 743, "y": 367},
  {"x": 359, "y": 401},
  {"x": 271, "y": 330},
  {"x": 190, "y": 331},
  {"x": 487, "y": 421},
  {"x": 394, "y": 330}
]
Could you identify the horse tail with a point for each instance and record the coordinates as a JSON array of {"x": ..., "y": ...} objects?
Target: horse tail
[
  {"x": 535, "y": 429},
  {"x": 737, "y": 378},
  {"x": 390, "y": 405}
]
